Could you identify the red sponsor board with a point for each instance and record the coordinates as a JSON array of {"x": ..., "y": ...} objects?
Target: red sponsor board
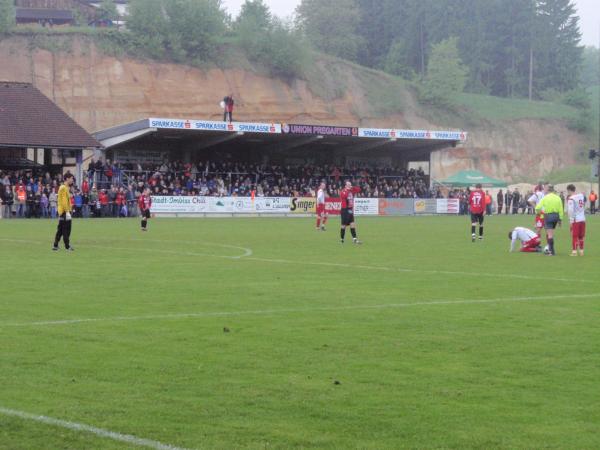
[{"x": 333, "y": 206}]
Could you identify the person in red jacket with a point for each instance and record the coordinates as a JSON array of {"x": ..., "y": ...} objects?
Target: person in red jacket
[
  {"x": 477, "y": 209},
  {"x": 103, "y": 200},
  {"x": 145, "y": 203},
  {"x": 347, "y": 212}
]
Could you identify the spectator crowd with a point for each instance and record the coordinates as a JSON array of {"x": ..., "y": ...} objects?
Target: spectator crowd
[{"x": 112, "y": 190}]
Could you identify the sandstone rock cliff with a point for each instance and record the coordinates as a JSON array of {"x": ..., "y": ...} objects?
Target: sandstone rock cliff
[{"x": 101, "y": 91}]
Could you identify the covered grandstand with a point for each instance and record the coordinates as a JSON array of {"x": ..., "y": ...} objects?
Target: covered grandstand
[{"x": 155, "y": 139}]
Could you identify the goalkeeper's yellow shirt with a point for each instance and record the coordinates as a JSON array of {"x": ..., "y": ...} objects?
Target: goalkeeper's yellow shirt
[{"x": 64, "y": 200}]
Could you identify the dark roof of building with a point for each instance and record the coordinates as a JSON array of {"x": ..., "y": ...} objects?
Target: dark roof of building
[
  {"x": 44, "y": 14},
  {"x": 30, "y": 119}
]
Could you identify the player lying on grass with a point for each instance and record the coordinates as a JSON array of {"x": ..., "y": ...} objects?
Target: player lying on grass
[{"x": 530, "y": 241}]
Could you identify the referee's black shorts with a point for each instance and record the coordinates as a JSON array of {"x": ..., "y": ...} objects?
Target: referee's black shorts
[
  {"x": 347, "y": 216},
  {"x": 551, "y": 221}
]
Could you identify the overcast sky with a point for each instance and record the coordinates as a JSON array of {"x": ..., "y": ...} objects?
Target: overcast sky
[{"x": 589, "y": 11}]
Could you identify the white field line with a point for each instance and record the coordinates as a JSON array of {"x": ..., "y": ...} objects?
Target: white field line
[
  {"x": 248, "y": 257},
  {"x": 268, "y": 312},
  {"x": 74, "y": 426}
]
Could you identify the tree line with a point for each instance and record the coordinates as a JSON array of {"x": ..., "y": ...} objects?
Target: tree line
[{"x": 515, "y": 48}]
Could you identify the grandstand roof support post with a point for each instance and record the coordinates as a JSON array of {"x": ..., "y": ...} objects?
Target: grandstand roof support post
[{"x": 79, "y": 165}]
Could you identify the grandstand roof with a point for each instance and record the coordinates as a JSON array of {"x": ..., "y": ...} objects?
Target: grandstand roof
[
  {"x": 157, "y": 133},
  {"x": 29, "y": 119}
]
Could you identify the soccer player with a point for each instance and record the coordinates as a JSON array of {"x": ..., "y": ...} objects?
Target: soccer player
[
  {"x": 65, "y": 209},
  {"x": 576, "y": 210},
  {"x": 530, "y": 241},
  {"x": 347, "y": 198},
  {"x": 145, "y": 203},
  {"x": 537, "y": 197},
  {"x": 477, "y": 209},
  {"x": 321, "y": 214},
  {"x": 552, "y": 207}
]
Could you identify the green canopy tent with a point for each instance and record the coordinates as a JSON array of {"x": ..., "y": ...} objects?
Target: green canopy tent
[{"x": 468, "y": 178}]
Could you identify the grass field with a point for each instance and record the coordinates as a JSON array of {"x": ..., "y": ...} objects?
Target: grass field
[{"x": 232, "y": 333}]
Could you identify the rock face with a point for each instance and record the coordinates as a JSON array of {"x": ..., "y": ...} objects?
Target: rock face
[{"x": 101, "y": 91}]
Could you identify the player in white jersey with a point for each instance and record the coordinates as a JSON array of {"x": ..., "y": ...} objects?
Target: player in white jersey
[
  {"x": 321, "y": 213},
  {"x": 530, "y": 241},
  {"x": 537, "y": 197},
  {"x": 576, "y": 211}
]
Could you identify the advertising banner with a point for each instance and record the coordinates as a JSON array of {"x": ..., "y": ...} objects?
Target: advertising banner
[
  {"x": 171, "y": 205},
  {"x": 366, "y": 206},
  {"x": 210, "y": 125},
  {"x": 272, "y": 205},
  {"x": 324, "y": 130},
  {"x": 303, "y": 205},
  {"x": 448, "y": 206},
  {"x": 426, "y": 206},
  {"x": 396, "y": 206},
  {"x": 412, "y": 134},
  {"x": 333, "y": 206}
]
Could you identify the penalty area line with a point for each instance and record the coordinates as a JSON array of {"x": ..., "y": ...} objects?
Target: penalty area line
[
  {"x": 268, "y": 312},
  {"x": 79, "y": 427}
]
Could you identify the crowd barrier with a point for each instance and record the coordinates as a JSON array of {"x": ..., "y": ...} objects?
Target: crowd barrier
[{"x": 198, "y": 206}]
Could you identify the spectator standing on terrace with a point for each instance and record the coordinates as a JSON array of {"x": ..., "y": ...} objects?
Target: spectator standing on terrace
[
  {"x": 593, "y": 198},
  {"x": 507, "y": 200},
  {"x": 104, "y": 206},
  {"x": 53, "y": 203},
  {"x": 516, "y": 198},
  {"x": 30, "y": 202},
  {"x": 228, "y": 103},
  {"x": 44, "y": 205},
  {"x": 7, "y": 202},
  {"x": 488, "y": 203},
  {"x": 500, "y": 200}
]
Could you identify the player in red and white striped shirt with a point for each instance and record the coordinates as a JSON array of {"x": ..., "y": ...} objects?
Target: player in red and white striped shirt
[
  {"x": 321, "y": 214},
  {"x": 576, "y": 211}
]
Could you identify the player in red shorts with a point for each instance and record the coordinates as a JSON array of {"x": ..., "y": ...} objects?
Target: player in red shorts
[
  {"x": 576, "y": 210},
  {"x": 145, "y": 203},
  {"x": 321, "y": 214},
  {"x": 530, "y": 241},
  {"x": 347, "y": 212},
  {"x": 477, "y": 209},
  {"x": 538, "y": 195}
]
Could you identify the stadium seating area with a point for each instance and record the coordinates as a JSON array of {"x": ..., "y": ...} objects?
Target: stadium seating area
[{"x": 235, "y": 179}]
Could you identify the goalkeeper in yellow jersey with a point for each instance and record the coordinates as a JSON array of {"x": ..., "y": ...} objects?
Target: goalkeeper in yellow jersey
[{"x": 64, "y": 213}]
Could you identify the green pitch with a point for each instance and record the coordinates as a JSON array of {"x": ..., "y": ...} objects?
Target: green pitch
[{"x": 264, "y": 333}]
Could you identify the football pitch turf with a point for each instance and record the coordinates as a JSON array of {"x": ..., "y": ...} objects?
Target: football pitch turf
[{"x": 264, "y": 333}]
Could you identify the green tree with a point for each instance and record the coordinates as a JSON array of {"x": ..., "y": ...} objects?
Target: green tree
[
  {"x": 332, "y": 26},
  {"x": 446, "y": 75},
  {"x": 185, "y": 30},
  {"x": 252, "y": 28},
  {"x": 7, "y": 15},
  {"x": 108, "y": 10},
  {"x": 590, "y": 70}
]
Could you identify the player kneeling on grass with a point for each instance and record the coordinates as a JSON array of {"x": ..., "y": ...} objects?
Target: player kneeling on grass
[
  {"x": 347, "y": 198},
  {"x": 576, "y": 211},
  {"x": 145, "y": 203},
  {"x": 530, "y": 241}
]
